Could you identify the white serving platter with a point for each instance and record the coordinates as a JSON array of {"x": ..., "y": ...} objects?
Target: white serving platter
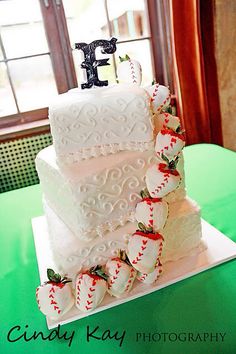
[{"x": 219, "y": 249}]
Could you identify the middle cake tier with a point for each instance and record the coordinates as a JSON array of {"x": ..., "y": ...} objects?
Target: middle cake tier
[{"x": 95, "y": 196}]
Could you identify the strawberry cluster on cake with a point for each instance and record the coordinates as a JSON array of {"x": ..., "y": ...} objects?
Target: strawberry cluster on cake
[{"x": 113, "y": 192}]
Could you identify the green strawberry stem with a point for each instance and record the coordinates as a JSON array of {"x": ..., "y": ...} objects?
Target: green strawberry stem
[
  {"x": 125, "y": 58},
  {"x": 167, "y": 109},
  {"x": 145, "y": 193},
  {"x": 171, "y": 164},
  {"x": 123, "y": 256},
  {"x": 56, "y": 277},
  {"x": 145, "y": 229},
  {"x": 98, "y": 270},
  {"x": 179, "y": 130}
]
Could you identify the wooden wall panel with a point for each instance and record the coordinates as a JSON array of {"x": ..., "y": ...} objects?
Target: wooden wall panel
[{"x": 225, "y": 25}]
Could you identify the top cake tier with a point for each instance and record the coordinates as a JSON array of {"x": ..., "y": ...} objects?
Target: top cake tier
[{"x": 93, "y": 122}]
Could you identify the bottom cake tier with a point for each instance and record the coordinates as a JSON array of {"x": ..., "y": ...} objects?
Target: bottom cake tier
[{"x": 182, "y": 233}]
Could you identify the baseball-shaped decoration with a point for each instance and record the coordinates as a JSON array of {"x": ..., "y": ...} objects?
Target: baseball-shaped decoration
[
  {"x": 129, "y": 71},
  {"x": 144, "y": 248},
  {"x": 161, "y": 180},
  {"x": 121, "y": 276},
  {"x": 169, "y": 143},
  {"x": 152, "y": 212},
  {"x": 151, "y": 277},
  {"x": 91, "y": 287},
  {"x": 159, "y": 97},
  {"x": 166, "y": 120},
  {"x": 54, "y": 297}
]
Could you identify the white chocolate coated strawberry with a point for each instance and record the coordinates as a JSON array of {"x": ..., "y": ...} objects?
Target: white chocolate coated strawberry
[
  {"x": 151, "y": 277},
  {"x": 161, "y": 181},
  {"x": 169, "y": 143},
  {"x": 166, "y": 120},
  {"x": 152, "y": 212},
  {"x": 120, "y": 277},
  {"x": 130, "y": 72},
  {"x": 54, "y": 300},
  {"x": 90, "y": 291},
  {"x": 159, "y": 97},
  {"x": 143, "y": 250}
]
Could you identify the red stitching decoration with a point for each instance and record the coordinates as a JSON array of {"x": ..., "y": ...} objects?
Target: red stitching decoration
[
  {"x": 132, "y": 72},
  {"x": 164, "y": 102},
  {"x": 154, "y": 92},
  {"x": 53, "y": 302}
]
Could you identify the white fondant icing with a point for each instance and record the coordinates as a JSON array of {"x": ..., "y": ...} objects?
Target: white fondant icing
[
  {"x": 89, "y": 123},
  {"x": 95, "y": 197},
  {"x": 182, "y": 233}
]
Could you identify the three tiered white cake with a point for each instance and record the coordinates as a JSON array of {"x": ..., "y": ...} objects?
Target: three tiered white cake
[{"x": 109, "y": 144}]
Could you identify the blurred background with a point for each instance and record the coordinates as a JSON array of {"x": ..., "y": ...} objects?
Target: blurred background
[{"x": 187, "y": 45}]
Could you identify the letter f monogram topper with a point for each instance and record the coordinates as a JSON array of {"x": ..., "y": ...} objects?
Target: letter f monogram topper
[{"x": 90, "y": 62}]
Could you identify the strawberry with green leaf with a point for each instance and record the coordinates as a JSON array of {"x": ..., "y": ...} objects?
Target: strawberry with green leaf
[
  {"x": 159, "y": 97},
  {"x": 91, "y": 287},
  {"x": 151, "y": 277},
  {"x": 129, "y": 71},
  {"x": 121, "y": 275},
  {"x": 144, "y": 248},
  {"x": 167, "y": 121},
  {"x": 151, "y": 212},
  {"x": 162, "y": 178},
  {"x": 169, "y": 143},
  {"x": 54, "y": 297}
]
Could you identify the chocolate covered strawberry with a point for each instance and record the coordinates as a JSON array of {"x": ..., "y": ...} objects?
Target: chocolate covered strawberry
[
  {"x": 91, "y": 287},
  {"x": 151, "y": 277},
  {"x": 169, "y": 143},
  {"x": 121, "y": 275},
  {"x": 167, "y": 121},
  {"x": 54, "y": 297},
  {"x": 144, "y": 248},
  {"x": 159, "y": 97},
  {"x": 129, "y": 71},
  {"x": 162, "y": 178},
  {"x": 151, "y": 212}
]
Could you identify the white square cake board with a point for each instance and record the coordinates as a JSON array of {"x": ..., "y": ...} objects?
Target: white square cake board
[{"x": 219, "y": 249}]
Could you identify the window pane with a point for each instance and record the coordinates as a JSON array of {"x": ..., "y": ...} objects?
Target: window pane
[
  {"x": 33, "y": 82},
  {"x": 7, "y": 103},
  {"x": 86, "y": 20},
  {"x": 22, "y": 28},
  {"x": 128, "y": 18},
  {"x": 139, "y": 50}
]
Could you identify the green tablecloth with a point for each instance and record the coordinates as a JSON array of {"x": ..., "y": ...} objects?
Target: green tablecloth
[{"x": 205, "y": 303}]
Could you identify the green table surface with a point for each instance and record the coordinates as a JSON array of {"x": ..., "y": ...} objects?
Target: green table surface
[{"x": 205, "y": 303}]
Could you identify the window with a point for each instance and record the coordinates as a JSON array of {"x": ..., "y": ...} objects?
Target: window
[
  {"x": 26, "y": 75},
  {"x": 125, "y": 20},
  {"x": 37, "y": 58}
]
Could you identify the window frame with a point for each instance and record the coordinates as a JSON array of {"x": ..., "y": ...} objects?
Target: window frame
[{"x": 35, "y": 121}]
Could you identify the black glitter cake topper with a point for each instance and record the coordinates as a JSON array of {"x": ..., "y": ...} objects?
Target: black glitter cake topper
[{"x": 90, "y": 62}]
